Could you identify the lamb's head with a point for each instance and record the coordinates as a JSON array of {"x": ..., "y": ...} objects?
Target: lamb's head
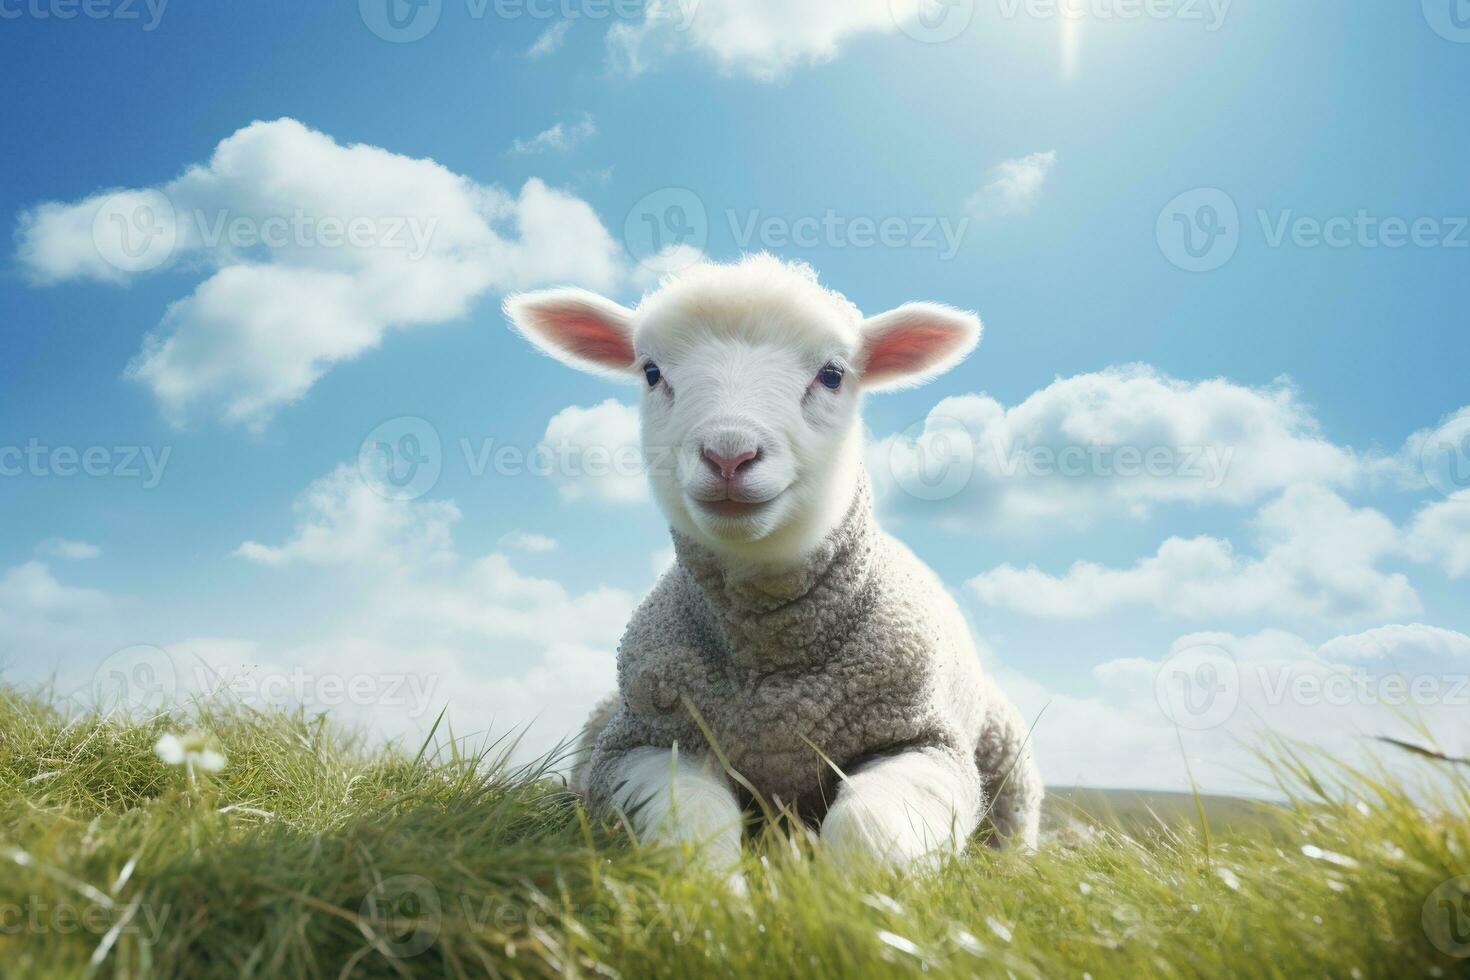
[{"x": 752, "y": 376}]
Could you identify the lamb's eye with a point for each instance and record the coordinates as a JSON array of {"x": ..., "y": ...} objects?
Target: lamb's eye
[
  {"x": 651, "y": 372},
  {"x": 830, "y": 376}
]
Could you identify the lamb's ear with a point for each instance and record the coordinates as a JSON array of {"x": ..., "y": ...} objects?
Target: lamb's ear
[
  {"x": 916, "y": 342},
  {"x": 578, "y": 328}
]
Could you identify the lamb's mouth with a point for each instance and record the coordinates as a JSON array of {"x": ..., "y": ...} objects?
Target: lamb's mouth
[{"x": 731, "y": 508}]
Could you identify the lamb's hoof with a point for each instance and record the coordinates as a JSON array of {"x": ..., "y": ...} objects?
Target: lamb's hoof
[{"x": 856, "y": 833}]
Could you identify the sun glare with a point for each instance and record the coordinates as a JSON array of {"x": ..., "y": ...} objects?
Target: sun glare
[{"x": 1071, "y": 41}]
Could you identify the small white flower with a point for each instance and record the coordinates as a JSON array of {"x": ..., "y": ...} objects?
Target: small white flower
[
  {"x": 192, "y": 751},
  {"x": 1332, "y": 857}
]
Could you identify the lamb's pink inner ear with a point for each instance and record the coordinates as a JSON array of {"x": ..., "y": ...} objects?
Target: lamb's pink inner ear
[
  {"x": 577, "y": 327},
  {"x": 914, "y": 343},
  {"x": 585, "y": 334}
]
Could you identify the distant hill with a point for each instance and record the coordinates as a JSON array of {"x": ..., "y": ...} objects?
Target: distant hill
[{"x": 1141, "y": 811}]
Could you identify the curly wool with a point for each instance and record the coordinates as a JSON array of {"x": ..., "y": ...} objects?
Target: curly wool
[{"x": 857, "y": 654}]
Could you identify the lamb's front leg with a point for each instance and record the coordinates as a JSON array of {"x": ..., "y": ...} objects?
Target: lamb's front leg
[
  {"x": 675, "y": 797},
  {"x": 904, "y": 810}
]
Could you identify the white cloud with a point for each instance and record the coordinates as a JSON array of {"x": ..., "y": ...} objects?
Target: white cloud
[
  {"x": 550, "y": 40},
  {"x": 312, "y": 251},
  {"x": 29, "y": 589},
  {"x": 667, "y": 260},
  {"x": 762, "y": 39},
  {"x": 490, "y": 600},
  {"x": 342, "y": 520},
  {"x": 1228, "y": 692},
  {"x": 1440, "y": 533},
  {"x": 1319, "y": 560},
  {"x": 594, "y": 453},
  {"x": 41, "y": 617},
  {"x": 528, "y": 541},
  {"x": 1437, "y": 457},
  {"x": 599, "y": 177},
  {"x": 68, "y": 550},
  {"x": 501, "y": 648},
  {"x": 1014, "y": 186},
  {"x": 1113, "y": 443},
  {"x": 505, "y": 652},
  {"x": 559, "y": 138},
  {"x": 1399, "y": 641}
]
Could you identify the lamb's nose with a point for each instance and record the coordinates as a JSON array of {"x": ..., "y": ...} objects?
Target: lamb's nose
[{"x": 729, "y": 467}]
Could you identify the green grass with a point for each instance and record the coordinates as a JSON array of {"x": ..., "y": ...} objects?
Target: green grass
[{"x": 315, "y": 854}]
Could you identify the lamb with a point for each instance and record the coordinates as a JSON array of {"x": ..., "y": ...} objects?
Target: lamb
[{"x": 832, "y": 669}]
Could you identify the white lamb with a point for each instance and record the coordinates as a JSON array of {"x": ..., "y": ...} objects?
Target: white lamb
[{"x": 803, "y": 638}]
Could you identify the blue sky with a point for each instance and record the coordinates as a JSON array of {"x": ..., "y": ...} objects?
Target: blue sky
[{"x": 1066, "y": 151}]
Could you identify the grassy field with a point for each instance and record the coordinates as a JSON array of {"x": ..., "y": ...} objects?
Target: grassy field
[{"x": 311, "y": 854}]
